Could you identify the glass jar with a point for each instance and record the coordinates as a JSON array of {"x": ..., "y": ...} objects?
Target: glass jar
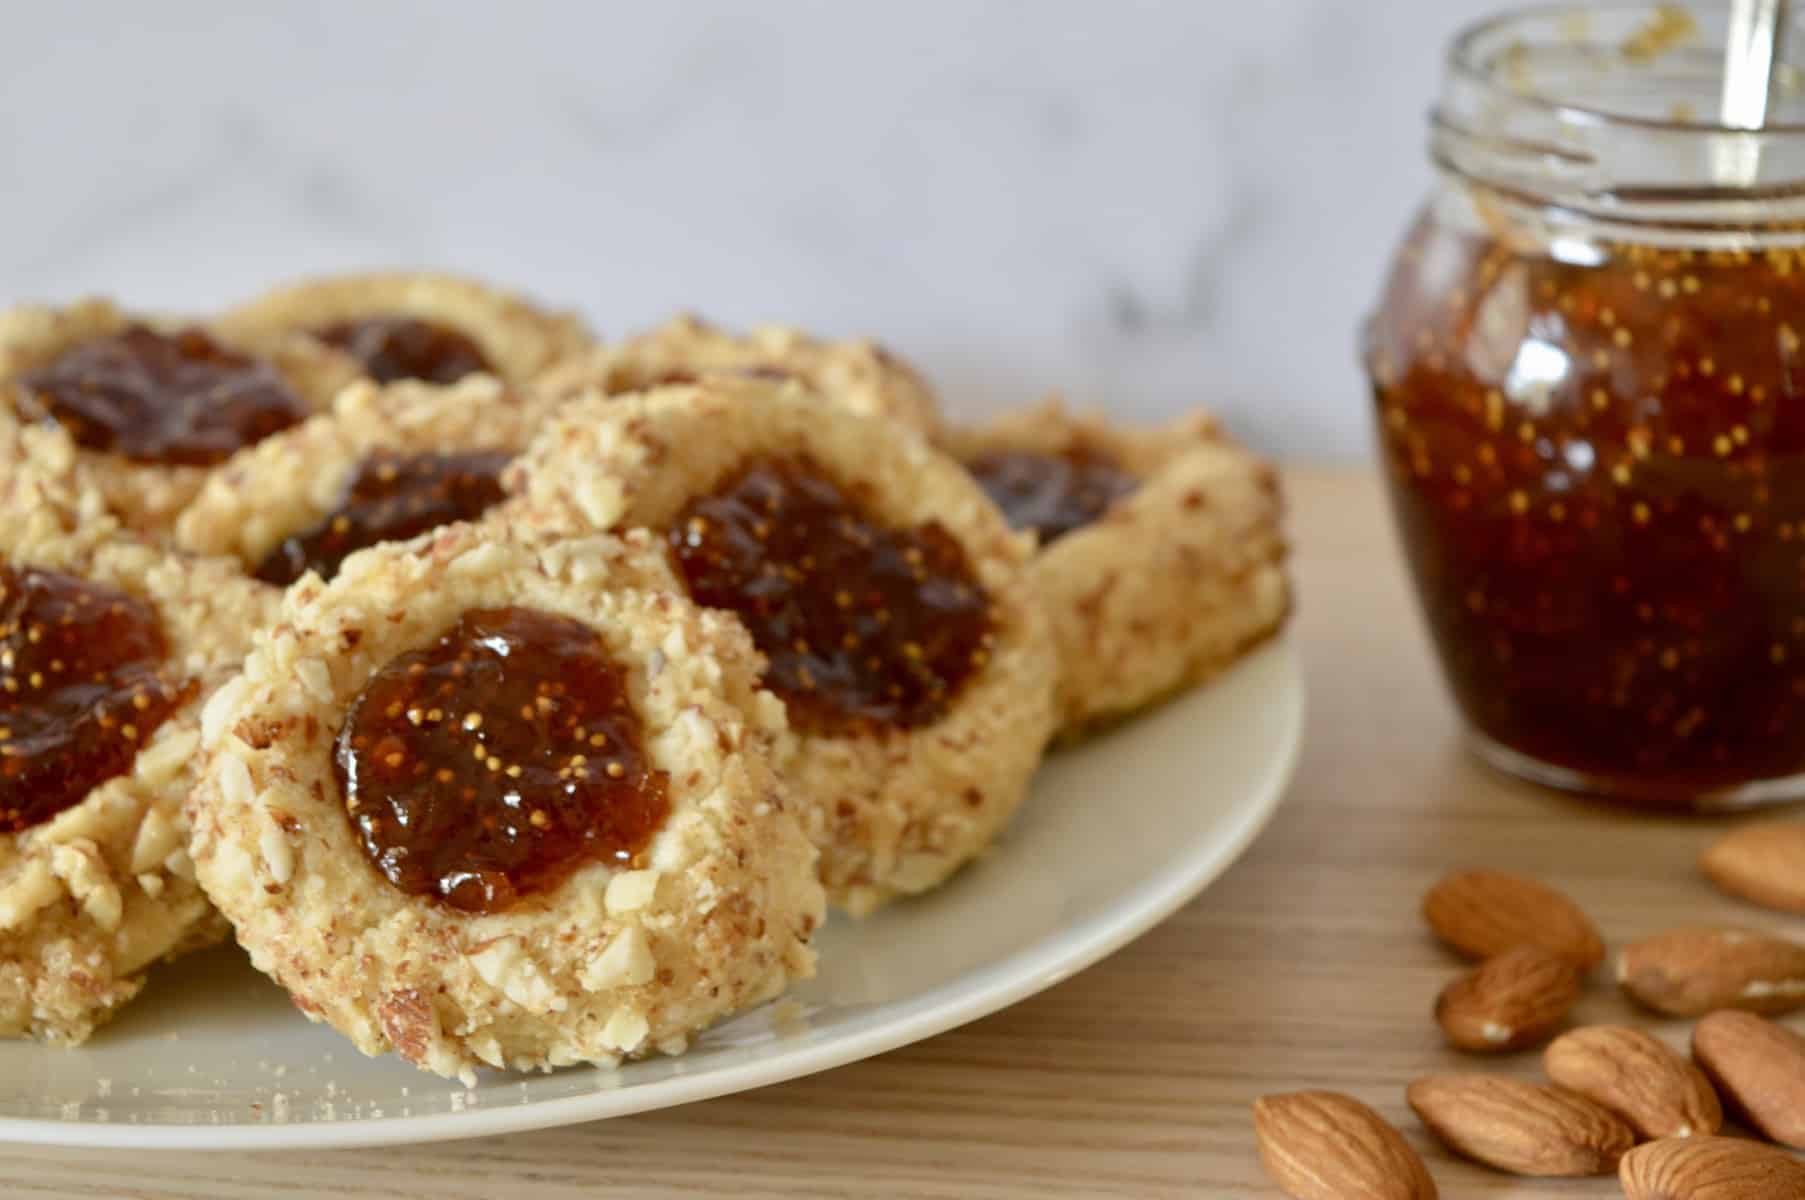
[{"x": 1589, "y": 383}]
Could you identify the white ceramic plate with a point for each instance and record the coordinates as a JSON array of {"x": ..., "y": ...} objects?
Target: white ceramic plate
[{"x": 1117, "y": 834}]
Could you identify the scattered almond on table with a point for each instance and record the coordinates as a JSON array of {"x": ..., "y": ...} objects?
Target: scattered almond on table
[
  {"x": 1326, "y": 1146},
  {"x": 1484, "y": 913},
  {"x": 1759, "y": 1067},
  {"x": 1711, "y": 1168},
  {"x": 1523, "y": 1128},
  {"x": 1636, "y": 1076},
  {"x": 1610, "y": 1086},
  {"x": 1763, "y": 863},
  {"x": 1690, "y": 972},
  {"x": 1510, "y": 1001}
]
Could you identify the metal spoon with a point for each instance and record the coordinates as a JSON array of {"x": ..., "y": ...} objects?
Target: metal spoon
[{"x": 1754, "y": 36}]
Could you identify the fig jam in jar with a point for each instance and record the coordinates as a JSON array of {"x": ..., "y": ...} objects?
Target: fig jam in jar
[{"x": 1588, "y": 366}]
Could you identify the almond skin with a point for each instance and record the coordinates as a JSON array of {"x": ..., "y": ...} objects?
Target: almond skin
[
  {"x": 1481, "y": 914},
  {"x": 1763, "y": 864},
  {"x": 1641, "y": 1079},
  {"x": 1690, "y": 972},
  {"x": 1523, "y": 1128},
  {"x": 1516, "y": 999},
  {"x": 1326, "y": 1146},
  {"x": 1710, "y": 1168},
  {"x": 1760, "y": 1069}
]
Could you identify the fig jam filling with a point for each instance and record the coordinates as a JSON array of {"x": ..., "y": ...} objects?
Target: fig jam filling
[
  {"x": 1052, "y": 494},
  {"x": 83, "y": 685},
  {"x": 864, "y": 626},
  {"x": 177, "y": 399},
  {"x": 394, "y": 348},
  {"x": 390, "y": 498},
  {"x": 492, "y": 764}
]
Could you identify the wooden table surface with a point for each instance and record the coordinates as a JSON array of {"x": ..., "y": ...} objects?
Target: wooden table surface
[{"x": 1304, "y": 966}]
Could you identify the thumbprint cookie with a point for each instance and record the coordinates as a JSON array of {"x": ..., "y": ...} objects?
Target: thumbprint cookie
[
  {"x": 153, "y": 405},
  {"x": 887, "y": 594},
  {"x": 108, "y": 650},
  {"x": 483, "y": 802},
  {"x": 1160, "y": 560},
  {"x": 388, "y": 463},
  {"x": 433, "y": 328}
]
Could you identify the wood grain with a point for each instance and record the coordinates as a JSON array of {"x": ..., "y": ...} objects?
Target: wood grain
[{"x": 1305, "y": 966}]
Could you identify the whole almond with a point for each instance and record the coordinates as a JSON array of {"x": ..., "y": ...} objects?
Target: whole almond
[
  {"x": 1524, "y": 1128},
  {"x": 1688, "y": 972},
  {"x": 1516, "y": 999},
  {"x": 1710, "y": 1168},
  {"x": 1484, "y": 913},
  {"x": 1641, "y": 1079},
  {"x": 1760, "y": 1069},
  {"x": 1763, "y": 864},
  {"x": 1326, "y": 1146}
]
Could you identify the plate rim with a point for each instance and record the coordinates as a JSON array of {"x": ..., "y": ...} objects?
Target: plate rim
[{"x": 947, "y": 1006}]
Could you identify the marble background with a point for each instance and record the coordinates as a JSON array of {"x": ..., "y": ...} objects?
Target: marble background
[{"x": 1145, "y": 204}]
